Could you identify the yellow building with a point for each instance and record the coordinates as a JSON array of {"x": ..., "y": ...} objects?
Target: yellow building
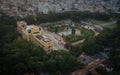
[{"x": 34, "y": 34}]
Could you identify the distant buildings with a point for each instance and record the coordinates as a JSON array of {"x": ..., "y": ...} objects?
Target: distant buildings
[
  {"x": 31, "y": 7},
  {"x": 47, "y": 7},
  {"x": 34, "y": 34}
]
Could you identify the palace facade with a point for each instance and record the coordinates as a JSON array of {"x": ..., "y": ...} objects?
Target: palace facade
[{"x": 34, "y": 34}]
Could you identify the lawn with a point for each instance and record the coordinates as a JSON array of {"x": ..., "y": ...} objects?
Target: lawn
[
  {"x": 56, "y": 29},
  {"x": 73, "y": 38},
  {"x": 97, "y": 22},
  {"x": 110, "y": 26},
  {"x": 86, "y": 33}
]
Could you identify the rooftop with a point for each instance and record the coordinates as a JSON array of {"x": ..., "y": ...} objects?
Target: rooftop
[
  {"x": 29, "y": 28},
  {"x": 23, "y": 23},
  {"x": 44, "y": 38}
]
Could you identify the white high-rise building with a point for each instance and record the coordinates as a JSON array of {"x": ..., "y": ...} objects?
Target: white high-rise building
[{"x": 46, "y": 7}]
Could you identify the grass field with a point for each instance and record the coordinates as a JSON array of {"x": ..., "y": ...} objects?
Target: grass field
[{"x": 97, "y": 22}]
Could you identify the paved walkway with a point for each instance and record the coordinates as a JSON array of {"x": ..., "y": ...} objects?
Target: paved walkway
[
  {"x": 58, "y": 45},
  {"x": 78, "y": 42}
]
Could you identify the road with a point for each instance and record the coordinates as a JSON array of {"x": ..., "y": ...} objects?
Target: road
[{"x": 104, "y": 24}]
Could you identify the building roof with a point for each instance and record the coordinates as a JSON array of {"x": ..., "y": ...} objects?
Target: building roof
[
  {"x": 31, "y": 27},
  {"x": 23, "y": 23},
  {"x": 43, "y": 38}
]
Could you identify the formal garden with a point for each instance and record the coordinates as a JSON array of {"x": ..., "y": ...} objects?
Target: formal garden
[{"x": 70, "y": 33}]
